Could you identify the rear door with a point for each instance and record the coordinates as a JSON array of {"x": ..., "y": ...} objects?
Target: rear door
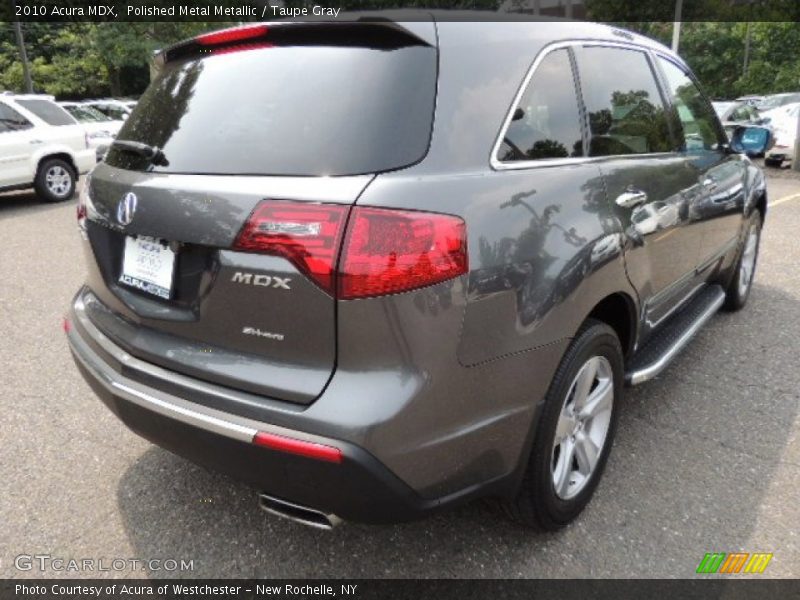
[
  {"x": 720, "y": 176},
  {"x": 648, "y": 182},
  {"x": 16, "y": 147},
  {"x": 217, "y": 258}
]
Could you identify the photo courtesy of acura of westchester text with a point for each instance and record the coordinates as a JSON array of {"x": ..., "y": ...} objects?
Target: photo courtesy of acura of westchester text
[{"x": 360, "y": 291}]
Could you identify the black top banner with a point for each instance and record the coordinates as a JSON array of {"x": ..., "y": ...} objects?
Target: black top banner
[{"x": 471, "y": 10}]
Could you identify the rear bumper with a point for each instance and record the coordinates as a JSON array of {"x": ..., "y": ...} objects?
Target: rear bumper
[{"x": 360, "y": 488}]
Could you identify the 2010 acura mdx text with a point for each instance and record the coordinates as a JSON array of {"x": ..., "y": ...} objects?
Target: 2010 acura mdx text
[{"x": 375, "y": 268}]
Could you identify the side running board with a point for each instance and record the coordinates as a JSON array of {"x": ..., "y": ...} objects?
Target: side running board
[{"x": 667, "y": 342}]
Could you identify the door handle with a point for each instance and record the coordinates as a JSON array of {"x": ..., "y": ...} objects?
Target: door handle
[
  {"x": 631, "y": 197},
  {"x": 710, "y": 183},
  {"x": 35, "y": 142}
]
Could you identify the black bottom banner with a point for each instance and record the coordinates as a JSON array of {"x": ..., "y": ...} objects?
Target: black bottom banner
[{"x": 404, "y": 589}]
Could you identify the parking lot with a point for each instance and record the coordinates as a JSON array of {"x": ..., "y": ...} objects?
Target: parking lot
[{"x": 707, "y": 456}]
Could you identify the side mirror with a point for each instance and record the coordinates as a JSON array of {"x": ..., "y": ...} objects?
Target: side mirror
[
  {"x": 751, "y": 140},
  {"x": 518, "y": 114}
]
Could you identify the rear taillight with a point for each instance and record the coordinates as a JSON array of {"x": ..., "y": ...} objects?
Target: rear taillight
[
  {"x": 385, "y": 251},
  {"x": 84, "y": 208},
  {"x": 308, "y": 235},
  {"x": 390, "y": 251}
]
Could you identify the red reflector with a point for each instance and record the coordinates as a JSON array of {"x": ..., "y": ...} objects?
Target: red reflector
[
  {"x": 240, "y": 48},
  {"x": 66, "y": 325},
  {"x": 293, "y": 446},
  {"x": 304, "y": 233},
  {"x": 390, "y": 251},
  {"x": 235, "y": 34}
]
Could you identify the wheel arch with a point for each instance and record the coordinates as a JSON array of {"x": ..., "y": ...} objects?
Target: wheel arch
[
  {"x": 65, "y": 156},
  {"x": 760, "y": 204},
  {"x": 618, "y": 311}
]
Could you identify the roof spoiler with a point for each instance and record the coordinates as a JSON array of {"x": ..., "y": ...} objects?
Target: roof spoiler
[{"x": 365, "y": 32}]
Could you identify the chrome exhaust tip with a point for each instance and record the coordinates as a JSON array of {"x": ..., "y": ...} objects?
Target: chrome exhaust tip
[{"x": 297, "y": 513}]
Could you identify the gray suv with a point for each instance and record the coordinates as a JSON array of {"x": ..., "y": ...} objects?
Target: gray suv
[{"x": 376, "y": 268}]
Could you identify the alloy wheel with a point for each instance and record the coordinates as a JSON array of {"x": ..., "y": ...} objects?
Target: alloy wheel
[
  {"x": 582, "y": 428},
  {"x": 748, "y": 262},
  {"x": 58, "y": 180}
]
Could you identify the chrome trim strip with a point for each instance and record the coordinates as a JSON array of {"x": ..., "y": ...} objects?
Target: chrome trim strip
[
  {"x": 149, "y": 369},
  {"x": 498, "y": 165},
  {"x": 216, "y": 421},
  {"x": 726, "y": 248},
  {"x": 653, "y": 369},
  {"x": 678, "y": 305},
  {"x": 167, "y": 409}
]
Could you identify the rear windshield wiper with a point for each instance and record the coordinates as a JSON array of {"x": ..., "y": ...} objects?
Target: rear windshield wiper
[{"x": 152, "y": 153}]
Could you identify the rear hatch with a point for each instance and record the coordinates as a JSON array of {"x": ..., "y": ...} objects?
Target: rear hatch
[{"x": 241, "y": 135}]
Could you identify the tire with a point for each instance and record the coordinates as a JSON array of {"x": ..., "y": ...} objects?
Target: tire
[
  {"x": 55, "y": 180},
  {"x": 742, "y": 281},
  {"x": 770, "y": 162},
  {"x": 554, "y": 489}
]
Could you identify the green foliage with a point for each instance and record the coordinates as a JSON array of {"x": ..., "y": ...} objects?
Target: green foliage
[
  {"x": 716, "y": 53},
  {"x": 79, "y": 59}
]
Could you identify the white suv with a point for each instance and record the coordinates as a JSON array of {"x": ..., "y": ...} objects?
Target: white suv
[{"x": 41, "y": 145}]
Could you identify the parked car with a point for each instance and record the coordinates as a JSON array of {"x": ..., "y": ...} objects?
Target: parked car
[
  {"x": 100, "y": 128},
  {"x": 751, "y": 100},
  {"x": 374, "y": 327},
  {"x": 653, "y": 216},
  {"x": 735, "y": 114},
  {"x": 777, "y": 100},
  {"x": 41, "y": 146},
  {"x": 114, "y": 109},
  {"x": 784, "y": 121}
]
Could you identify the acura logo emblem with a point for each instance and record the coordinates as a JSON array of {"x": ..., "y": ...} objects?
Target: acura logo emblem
[{"x": 126, "y": 208}]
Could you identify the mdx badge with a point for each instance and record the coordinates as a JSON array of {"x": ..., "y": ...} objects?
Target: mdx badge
[
  {"x": 269, "y": 281},
  {"x": 126, "y": 208}
]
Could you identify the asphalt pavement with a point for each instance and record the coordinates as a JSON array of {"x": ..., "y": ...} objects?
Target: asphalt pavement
[{"x": 707, "y": 456}]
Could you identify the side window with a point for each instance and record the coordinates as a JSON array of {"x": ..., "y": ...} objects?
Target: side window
[
  {"x": 698, "y": 121},
  {"x": 626, "y": 111},
  {"x": 49, "y": 112},
  {"x": 11, "y": 120},
  {"x": 546, "y": 122}
]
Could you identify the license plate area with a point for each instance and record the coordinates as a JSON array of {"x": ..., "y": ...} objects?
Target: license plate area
[{"x": 148, "y": 264}]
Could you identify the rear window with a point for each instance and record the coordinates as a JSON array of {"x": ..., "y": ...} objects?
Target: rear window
[
  {"x": 297, "y": 110},
  {"x": 47, "y": 111}
]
